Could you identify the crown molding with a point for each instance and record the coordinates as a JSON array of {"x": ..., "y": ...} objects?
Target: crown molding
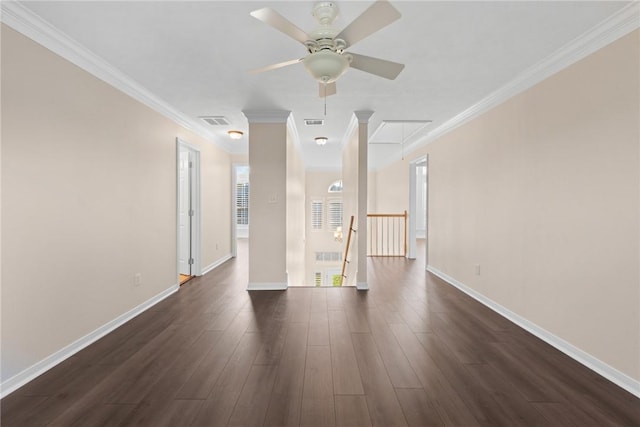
[
  {"x": 616, "y": 26},
  {"x": 15, "y": 15},
  {"x": 358, "y": 117},
  {"x": 363, "y": 116},
  {"x": 267, "y": 116}
]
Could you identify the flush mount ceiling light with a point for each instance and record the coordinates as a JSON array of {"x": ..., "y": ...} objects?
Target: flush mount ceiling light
[
  {"x": 321, "y": 140},
  {"x": 235, "y": 134}
]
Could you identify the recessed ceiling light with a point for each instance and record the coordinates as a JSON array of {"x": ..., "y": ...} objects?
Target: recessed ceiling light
[{"x": 321, "y": 140}]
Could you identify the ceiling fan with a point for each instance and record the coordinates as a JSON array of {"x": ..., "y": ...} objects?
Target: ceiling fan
[{"x": 327, "y": 59}]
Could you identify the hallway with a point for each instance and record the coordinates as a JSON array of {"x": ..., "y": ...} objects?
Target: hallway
[{"x": 411, "y": 351}]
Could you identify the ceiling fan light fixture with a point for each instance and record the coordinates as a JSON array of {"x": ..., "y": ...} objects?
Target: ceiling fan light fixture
[
  {"x": 321, "y": 140},
  {"x": 235, "y": 134},
  {"x": 326, "y": 66}
]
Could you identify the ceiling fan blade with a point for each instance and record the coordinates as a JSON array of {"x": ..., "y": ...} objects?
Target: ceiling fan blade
[
  {"x": 275, "y": 66},
  {"x": 325, "y": 89},
  {"x": 379, "y": 67},
  {"x": 377, "y": 16},
  {"x": 280, "y": 23}
]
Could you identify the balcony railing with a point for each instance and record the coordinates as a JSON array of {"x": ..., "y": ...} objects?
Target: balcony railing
[{"x": 387, "y": 234}]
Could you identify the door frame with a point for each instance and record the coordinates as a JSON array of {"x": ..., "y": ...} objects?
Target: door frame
[
  {"x": 234, "y": 214},
  {"x": 196, "y": 220},
  {"x": 413, "y": 207}
]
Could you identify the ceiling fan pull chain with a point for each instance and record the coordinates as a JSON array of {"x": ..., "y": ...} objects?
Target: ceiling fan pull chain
[{"x": 325, "y": 100}]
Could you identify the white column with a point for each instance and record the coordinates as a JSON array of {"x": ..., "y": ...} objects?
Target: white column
[
  {"x": 267, "y": 199},
  {"x": 363, "y": 169}
]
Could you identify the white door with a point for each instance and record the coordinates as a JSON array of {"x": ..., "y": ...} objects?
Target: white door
[
  {"x": 184, "y": 213},
  {"x": 421, "y": 201}
]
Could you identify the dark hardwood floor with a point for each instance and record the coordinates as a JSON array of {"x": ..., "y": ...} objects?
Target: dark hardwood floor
[{"x": 411, "y": 351}]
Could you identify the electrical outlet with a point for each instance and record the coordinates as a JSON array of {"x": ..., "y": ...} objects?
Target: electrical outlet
[
  {"x": 137, "y": 279},
  {"x": 477, "y": 269}
]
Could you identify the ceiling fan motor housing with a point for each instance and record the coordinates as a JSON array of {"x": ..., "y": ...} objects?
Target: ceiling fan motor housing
[
  {"x": 326, "y": 62},
  {"x": 325, "y": 12}
]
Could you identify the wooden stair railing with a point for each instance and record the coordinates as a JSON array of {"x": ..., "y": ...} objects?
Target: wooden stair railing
[{"x": 345, "y": 261}]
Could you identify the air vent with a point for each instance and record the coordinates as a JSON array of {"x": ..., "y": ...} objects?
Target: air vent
[
  {"x": 313, "y": 122},
  {"x": 216, "y": 120}
]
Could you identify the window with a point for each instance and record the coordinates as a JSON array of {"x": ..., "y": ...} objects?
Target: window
[
  {"x": 328, "y": 256},
  {"x": 336, "y": 187},
  {"x": 242, "y": 204},
  {"x": 317, "y": 278},
  {"x": 334, "y": 208},
  {"x": 317, "y": 214}
]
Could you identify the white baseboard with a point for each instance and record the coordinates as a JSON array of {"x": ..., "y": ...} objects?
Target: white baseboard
[
  {"x": 215, "y": 264},
  {"x": 362, "y": 286},
  {"x": 267, "y": 286},
  {"x": 12, "y": 384},
  {"x": 596, "y": 365}
]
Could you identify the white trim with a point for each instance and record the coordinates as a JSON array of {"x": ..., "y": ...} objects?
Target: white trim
[
  {"x": 267, "y": 116},
  {"x": 267, "y": 286},
  {"x": 426, "y": 234},
  {"x": 215, "y": 264},
  {"x": 411, "y": 236},
  {"x": 22, "y": 378},
  {"x": 234, "y": 211},
  {"x": 611, "y": 29},
  {"x": 362, "y": 286},
  {"x": 20, "y": 18},
  {"x": 626, "y": 382},
  {"x": 363, "y": 116},
  {"x": 237, "y": 232},
  {"x": 196, "y": 229}
]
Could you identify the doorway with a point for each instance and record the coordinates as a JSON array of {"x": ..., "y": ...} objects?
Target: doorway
[
  {"x": 418, "y": 206},
  {"x": 188, "y": 211},
  {"x": 239, "y": 205}
]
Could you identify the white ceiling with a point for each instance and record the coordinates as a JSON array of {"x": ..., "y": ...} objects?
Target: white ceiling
[{"x": 195, "y": 56}]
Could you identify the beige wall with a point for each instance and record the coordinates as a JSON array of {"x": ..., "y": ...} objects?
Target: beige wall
[
  {"x": 239, "y": 158},
  {"x": 267, "y": 204},
  {"x": 88, "y": 201},
  {"x": 295, "y": 215},
  {"x": 543, "y": 193},
  {"x": 216, "y": 173},
  {"x": 392, "y": 188}
]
